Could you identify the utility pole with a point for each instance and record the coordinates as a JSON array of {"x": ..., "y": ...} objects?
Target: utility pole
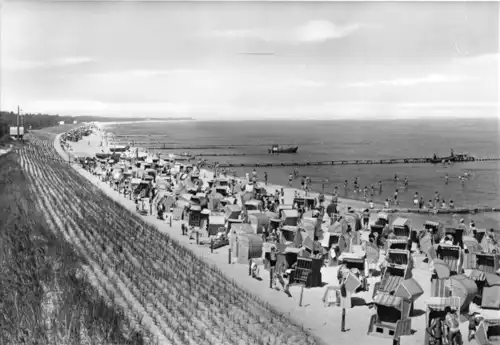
[{"x": 18, "y": 111}]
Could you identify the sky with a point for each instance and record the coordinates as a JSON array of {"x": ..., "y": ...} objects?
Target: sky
[{"x": 251, "y": 60}]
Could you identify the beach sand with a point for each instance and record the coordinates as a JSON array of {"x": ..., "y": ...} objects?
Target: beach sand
[{"x": 323, "y": 322}]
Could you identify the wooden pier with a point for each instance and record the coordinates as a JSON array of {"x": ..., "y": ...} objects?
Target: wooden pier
[{"x": 346, "y": 162}]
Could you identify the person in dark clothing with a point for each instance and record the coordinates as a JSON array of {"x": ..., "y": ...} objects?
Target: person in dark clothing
[
  {"x": 473, "y": 323},
  {"x": 435, "y": 331}
]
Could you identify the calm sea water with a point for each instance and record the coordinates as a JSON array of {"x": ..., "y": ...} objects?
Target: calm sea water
[{"x": 335, "y": 140}]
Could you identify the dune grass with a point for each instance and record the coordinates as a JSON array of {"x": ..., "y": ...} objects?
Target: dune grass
[{"x": 39, "y": 270}]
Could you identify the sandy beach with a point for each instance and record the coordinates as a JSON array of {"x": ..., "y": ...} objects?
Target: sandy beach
[{"x": 323, "y": 322}]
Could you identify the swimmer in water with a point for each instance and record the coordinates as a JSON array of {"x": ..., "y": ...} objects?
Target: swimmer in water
[
  {"x": 380, "y": 186},
  {"x": 446, "y": 178},
  {"x": 406, "y": 181},
  {"x": 345, "y": 184},
  {"x": 395, "y": 177}
]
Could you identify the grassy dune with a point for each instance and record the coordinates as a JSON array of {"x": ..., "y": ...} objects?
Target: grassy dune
[
  {"x": 40, "y": 272},
  {"x": 130, "y": 283}
]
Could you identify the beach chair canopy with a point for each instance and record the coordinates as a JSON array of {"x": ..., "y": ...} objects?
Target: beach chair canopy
[
  {"x": 271, "y": 215},
  {"x": 388, "y": 300},
  {"x": 351, "y": 257},
  {"x": 148, "y": 178},
  {"x": 398, "y": 257},
  {"x": 440, "y": 303},
  {"x": 383, "y": 215},
  {"x": 292, "y": 250},
  {"x": 135, "y": 181},
  {"x": 233, "y": 208},
  {"x": 409, "y": 289},
  {"x": 205, "y": 211},
  {"x": 195, "y": 208},
  {"x": 337, "y": 227},
  {"x": 442, "y": 269},
  {"x": 253, "y": 202},
  {"x": 282, "y": 207},
  {"x": 476, "y": 275},
  {"x": 290, "y": 213},
  {"x": 289, "y": 228},
  {"x": 400, "y": 222},
  {"x": 242, "y": 228}
]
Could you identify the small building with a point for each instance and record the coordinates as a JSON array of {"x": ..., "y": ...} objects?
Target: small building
[
  {"x": 14, "y": 133},
  {"x": 61, "y": 123},
  {"x": 75, "y": 122}
]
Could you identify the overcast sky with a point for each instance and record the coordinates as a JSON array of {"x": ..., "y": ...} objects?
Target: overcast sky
[{"x": 251, "y": 60}]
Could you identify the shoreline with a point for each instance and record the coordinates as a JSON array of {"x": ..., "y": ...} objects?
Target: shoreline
[
  {"x": 322, "y": 322},
  {"x": 419, "y": 216}
]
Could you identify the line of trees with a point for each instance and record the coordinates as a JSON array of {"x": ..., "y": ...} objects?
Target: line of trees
[{"x": 38, "y": 121}]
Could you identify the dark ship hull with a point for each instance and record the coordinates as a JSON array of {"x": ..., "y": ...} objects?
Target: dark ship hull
[{"x": 292, "y": 149}]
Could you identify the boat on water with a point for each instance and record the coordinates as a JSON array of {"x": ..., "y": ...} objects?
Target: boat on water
[
  {"x": 282, "y": 149},
  {"x": 452, "y": 158}
]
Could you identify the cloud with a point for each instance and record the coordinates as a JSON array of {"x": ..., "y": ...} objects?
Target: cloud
[
  {"x": 429, "y": 79},
  {"x": 314, "y": 31},
  {"x": 323, "y": 30},
  {"x": 17, "y": 64}
]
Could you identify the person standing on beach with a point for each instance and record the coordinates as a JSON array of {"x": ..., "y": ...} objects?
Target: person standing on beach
[
  {"x": 406, "y": 181},
  {"x": 254, "y": 175},
  {"x": 366, "y": 218},
  {"x": 421, "y": 202},
  {"x": 303, "y": 183},
  {"x": 282, "y": 194},
  {"x": 446, "y": 178},
  {"x": 396, "y": 201},
  {"x": 436, "y": 199},
  {"x": 290, "y": 180}
]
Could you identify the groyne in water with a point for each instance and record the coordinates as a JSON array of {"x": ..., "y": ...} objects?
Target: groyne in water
[
  {"x": 458, "y": 210},
  {"x": 348, "y": 162}
]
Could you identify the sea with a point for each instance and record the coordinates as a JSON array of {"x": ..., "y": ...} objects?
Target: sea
[{"x": 348, "y": 140}]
